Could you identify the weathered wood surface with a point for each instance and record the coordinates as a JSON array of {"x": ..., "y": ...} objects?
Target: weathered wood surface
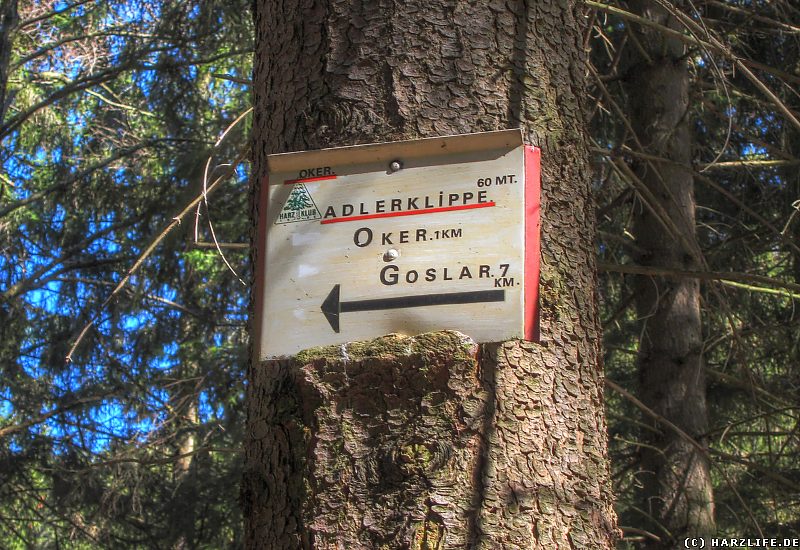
[{"x": 473, "y": 240}]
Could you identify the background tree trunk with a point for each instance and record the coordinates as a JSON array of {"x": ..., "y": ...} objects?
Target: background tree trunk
[
  {"x": 434, "y": 442},
  {"x": 676, "y": 492},
  {"x": 8, "y": 23}
]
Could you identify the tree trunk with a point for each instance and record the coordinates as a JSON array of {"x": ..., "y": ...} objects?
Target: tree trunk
[
  {"x": 434, "y": 442},
  {"x": 676, "y": 492},
  {"x": 8, "y": 24}
]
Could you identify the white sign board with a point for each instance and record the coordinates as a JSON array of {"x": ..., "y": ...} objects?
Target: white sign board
[{"x": 406, "y": 237}]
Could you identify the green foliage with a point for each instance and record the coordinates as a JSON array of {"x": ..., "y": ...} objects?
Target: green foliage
[{"x": 114, "y": 111}]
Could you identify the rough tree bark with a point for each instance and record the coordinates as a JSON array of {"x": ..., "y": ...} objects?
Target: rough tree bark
[
  {"x": 434, "y": 442},
  {"x": 676, "y": 489},
  {"x": 8, "y": 23}
]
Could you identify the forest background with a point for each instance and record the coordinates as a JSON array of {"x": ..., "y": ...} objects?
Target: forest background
[{"x": 124, "y": 258}]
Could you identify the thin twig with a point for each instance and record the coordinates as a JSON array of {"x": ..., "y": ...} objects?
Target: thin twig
[
  {"x": 714, "y": 45},
  {"x": 176, "y": 221},
  {"x": 788, "y": 289},
  {"x": 703, "y": 449},
  {"x": 205, "y": 197}
]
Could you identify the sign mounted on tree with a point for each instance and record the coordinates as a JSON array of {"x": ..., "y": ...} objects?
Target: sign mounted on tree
[{"x": 409, "y": 237}]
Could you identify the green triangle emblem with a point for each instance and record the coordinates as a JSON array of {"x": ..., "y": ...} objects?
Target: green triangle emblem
[{"x": 299, "y": 206}]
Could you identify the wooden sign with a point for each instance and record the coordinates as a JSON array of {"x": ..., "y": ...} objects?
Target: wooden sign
[{"x": 405, "y": 237}]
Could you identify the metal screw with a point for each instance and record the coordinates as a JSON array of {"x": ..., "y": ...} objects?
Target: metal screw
[
  {"x": 395, "y": 166},
  {"x": 390, "y": 255}
]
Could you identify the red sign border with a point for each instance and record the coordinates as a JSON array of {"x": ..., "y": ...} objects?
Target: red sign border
[{"x": 533, "y": 208}]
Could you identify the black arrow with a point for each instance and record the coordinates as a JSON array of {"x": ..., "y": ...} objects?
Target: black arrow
[{"x": 333, "y": 308}]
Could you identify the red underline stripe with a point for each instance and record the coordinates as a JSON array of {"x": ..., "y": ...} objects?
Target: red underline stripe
[
  {"x": 410, "y": 212},
  {"x": 304, "y": 180}
]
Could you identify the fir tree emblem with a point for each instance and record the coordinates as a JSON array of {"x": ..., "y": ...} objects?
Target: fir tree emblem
[{"x": 299, "y": 206}]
